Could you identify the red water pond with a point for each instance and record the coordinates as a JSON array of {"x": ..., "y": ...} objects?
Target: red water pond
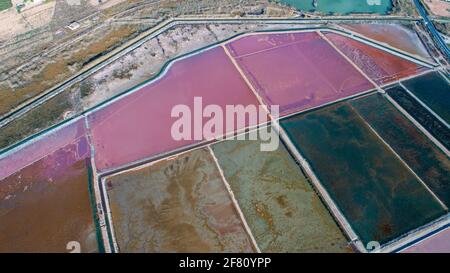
[
  {"x": 297, "y": 71},
  {"x": 139, "y": 125},
  {"x": 395, "y": 35},
  {"x": 382, "y": 67}
]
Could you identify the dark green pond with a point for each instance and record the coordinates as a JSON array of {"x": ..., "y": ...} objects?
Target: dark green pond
[
  {"x": 281, "y": 208},
  {"x": 376, "y": 192},
  {"x": 433, "y": 90},
  {"x": 427, "y": 161},
  {"x": 432, "y": 124}
]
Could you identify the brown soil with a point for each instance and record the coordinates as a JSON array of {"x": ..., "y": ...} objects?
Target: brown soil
[{"x": 42, "y": 214}]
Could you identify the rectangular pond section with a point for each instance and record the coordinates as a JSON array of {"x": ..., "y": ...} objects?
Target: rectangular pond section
[
  {"x": 40, "y": 147},
  {"x": 375, "y": 191},
  {"x": 434, "y": 91},
  {"x": 438, "y": 242},
  {"x": 382, "y": 67},
  {"x": 280, "y": 206},
  {"x": 178, "y": 204},
  {"x": 139, "y": 125},
  {"x": 296, "y": 71},
  {"x": 424, "y": 158},
  {"x": 431, "y": 123},
  {"x": 47, "y": 204}
]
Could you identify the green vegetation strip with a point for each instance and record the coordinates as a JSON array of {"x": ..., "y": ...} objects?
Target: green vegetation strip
[
  {"x": 5, "y": 4},
  {"x": 98, "y": 232},
  {"x": 40, "y": 117}
]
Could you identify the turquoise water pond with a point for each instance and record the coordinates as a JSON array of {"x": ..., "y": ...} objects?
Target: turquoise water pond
[{"x": 343, "y": 6}]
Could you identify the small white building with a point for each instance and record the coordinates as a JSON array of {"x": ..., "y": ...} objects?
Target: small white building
[{"x": 73, "y": 26}]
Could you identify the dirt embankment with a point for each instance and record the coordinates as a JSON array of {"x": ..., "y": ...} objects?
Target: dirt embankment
[{"x": 40, "y": 76}]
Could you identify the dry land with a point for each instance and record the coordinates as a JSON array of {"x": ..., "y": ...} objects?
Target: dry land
[
  {"x": 438, "y": 7},
  {"x": 176, "y": 205}
]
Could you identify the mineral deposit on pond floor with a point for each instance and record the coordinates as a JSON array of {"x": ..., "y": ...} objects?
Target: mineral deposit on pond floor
[
  {"x": 382, "y": 67},
  {"x": 179, "y": 204},
  {"x": 395, "y": 35},
  {"x": 281, "y": 208},
  {"x": 376, "y": 192},
  {"x": 437, "y": 243},
  {"x": 139, "y": 125}
]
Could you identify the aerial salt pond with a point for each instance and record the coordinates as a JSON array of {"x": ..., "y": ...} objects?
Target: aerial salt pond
[
  {"x": 178, "y": 204},
  {"x": 139, "y": 125},
  {"x": 280, "y": 206},
  {"x": 376, "y": 192},
  {"x": 431, "y": 123},
  {"x": 433, "y": 90},
  {"x": 401, "y": 37},
  {"x": 46, "y": 204},
  {"x": 41, "y": 147},
  {"x": 380, "y": 66},
  {"x": 342, "y": 7},
  {"x": 424, "y": 158},
  {"x": 306, "y": 74},
  {"x": 187, "y": 190}
]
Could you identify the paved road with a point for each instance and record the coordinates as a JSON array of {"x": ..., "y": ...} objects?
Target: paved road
[{"x": 432, "y": 29}]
